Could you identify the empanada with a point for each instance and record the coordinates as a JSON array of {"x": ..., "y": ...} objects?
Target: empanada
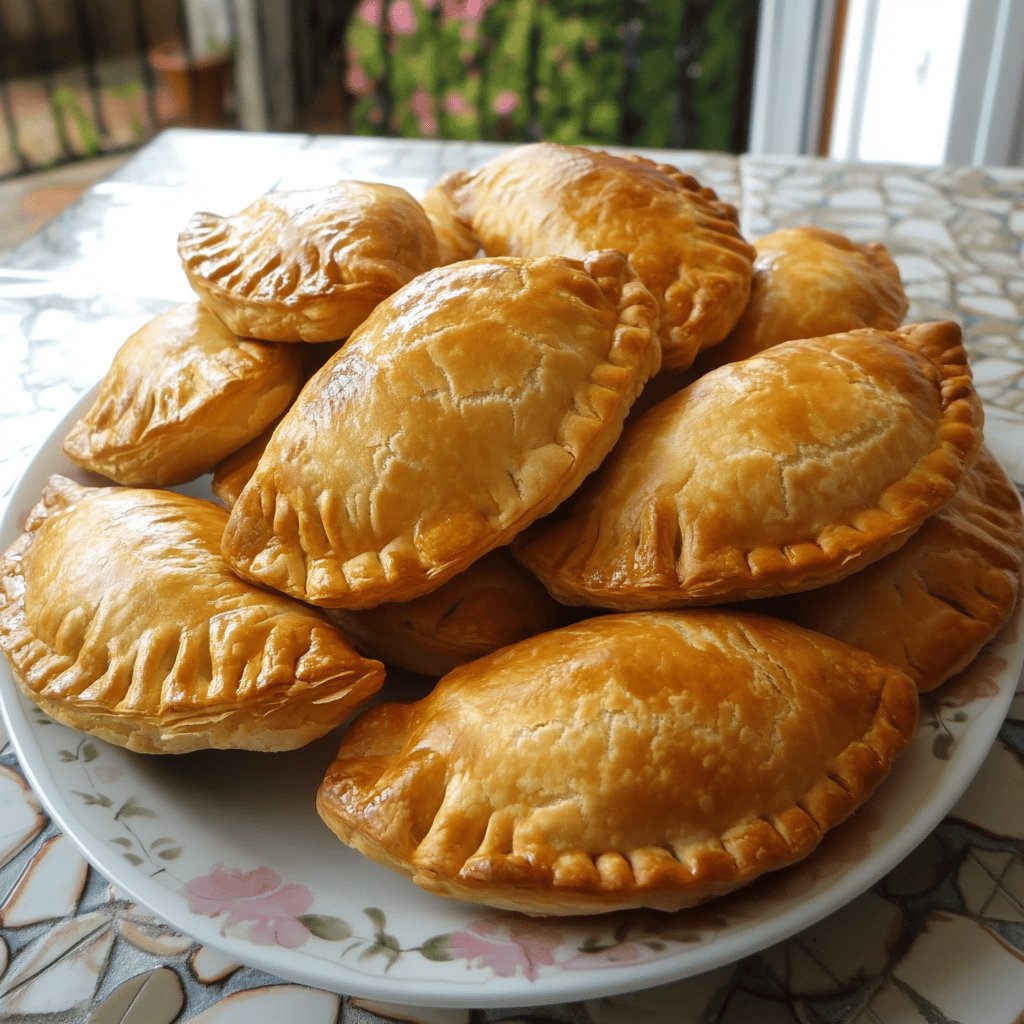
[
  {"x": 307, "y": 265},
  {"x": 470, "y": 403},
  {"x": 809, "y": 282},
  {"x": 778, "y": 473},
  {"x": 651, "y": 759},
  {"x": 683, "y": 242},
  {"x": 491, "y": 604},
  {"x": 181, "y": 395},
  {"x": 930, "y": 607},
  {"x": 230, "y": 476},
  {"x": 455, "y": 240},
  {"x": 120, "y": 618}
]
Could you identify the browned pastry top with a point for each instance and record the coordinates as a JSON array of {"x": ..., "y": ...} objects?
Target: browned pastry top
[
  {"x": 646, "y": 759},
  {"x": 307, "y": 265},
  {"x": 120, "y": 618},
  {"x": 682, "y": 240},
  {"x": 471, "y": 402},
  {"x": 809, "y": 282},
  {"x": 182, "y": 393},
  {"x": 780, "y": 472}
]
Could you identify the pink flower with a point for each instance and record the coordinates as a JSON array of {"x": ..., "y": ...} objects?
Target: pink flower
[
  {"x": 357, "y": 80},
  {"x": 508, "y": 946},
  {"x": 456, "y": 104},
  {"x": 257, "y": 896},
  {"x": 402, "y": 18},
  {"x": 465, "y": 10},
  {"x": 370, "y": 11},
  {"x": 505, "y": 102},
  {"x": 423, "y": 107}
]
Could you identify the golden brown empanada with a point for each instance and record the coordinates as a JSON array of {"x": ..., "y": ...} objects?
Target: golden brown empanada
[
  {"x": 455, "y": 240},
  {"x": 181, "y": 395},
  {"x": 120, "y": 617},
  {"x": 683, "y": 242},
  {"x": 307, "y": 265},
  {"x": 230, "y": 476},
  {"x": 930, "y": 607},
  {"x": 492, "y": 603},
  {"x": 651, "y": 759},
  {"x": 778, "y": 473},
  {"x": 809, "y": 282},
  {"x": 471, "y": 402}
]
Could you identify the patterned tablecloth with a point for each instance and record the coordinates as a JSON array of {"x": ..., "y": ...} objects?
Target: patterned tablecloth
[{"x": 940, "y": 939}]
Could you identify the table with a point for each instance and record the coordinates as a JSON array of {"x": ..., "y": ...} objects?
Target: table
[{"x": 898, "y": 954}]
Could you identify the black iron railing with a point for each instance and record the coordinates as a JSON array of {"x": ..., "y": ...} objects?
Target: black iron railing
[{"x": 80, "y": 78}]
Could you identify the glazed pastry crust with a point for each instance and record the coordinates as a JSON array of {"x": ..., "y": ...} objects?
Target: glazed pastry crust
[
  {"x": 779, "y": 473},
  {"x": 120, "y": 618},
  {"x": 455, "y": 240},
  {"x": 182, "y": 394},
  {"x": 930, "y": 607},
  {"x": 492, "y": 603},
  {"x": 683, "y": 242},
  {"x": 470, "y": 403},
  {"x": 230, "y": 476},
  {"x": 307, "y": 265},
  {"x": 651, "y": 759},
  {"x": 808, "y": 283}
]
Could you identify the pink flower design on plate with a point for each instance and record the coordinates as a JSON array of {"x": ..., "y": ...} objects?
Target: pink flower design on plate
[
  {"x": 256, "y": 896},
  {"x": 508, "y": 946}
]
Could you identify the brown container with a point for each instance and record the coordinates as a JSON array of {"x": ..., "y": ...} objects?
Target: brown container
[{"x": 198, "y": 85}]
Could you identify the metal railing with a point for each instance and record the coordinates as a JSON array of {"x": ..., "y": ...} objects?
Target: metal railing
[{"x": 76, "y": 80}]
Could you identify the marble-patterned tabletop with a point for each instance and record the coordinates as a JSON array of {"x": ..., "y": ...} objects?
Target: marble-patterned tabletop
[{"x": 939, "y": 939}]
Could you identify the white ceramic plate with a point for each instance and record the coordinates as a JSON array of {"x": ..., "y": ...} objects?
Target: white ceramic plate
[{"x": 228, "y": 848}]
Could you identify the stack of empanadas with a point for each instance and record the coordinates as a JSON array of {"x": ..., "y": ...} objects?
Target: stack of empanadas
[
  {"x": 121, "y": 618},
  {"x": 453, "y": 475}
]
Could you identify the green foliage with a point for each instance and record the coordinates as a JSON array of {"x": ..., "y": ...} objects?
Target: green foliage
[
  {"x": 638, "y": 72},
  {"x": 66, "y": 104},
  {"x": 326, "y": 926}
]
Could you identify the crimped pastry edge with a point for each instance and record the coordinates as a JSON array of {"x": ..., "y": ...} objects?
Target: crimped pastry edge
[
  {"x": 578, "y": 882},
  {"x": 400, "y": 571}
]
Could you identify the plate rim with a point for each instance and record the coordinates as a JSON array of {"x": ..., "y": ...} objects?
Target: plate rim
[{"x": 493, "y": 991}]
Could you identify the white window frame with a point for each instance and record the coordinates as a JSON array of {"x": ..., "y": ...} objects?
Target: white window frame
[
  {"x": 985, "y": 117},
  {"x": 794, "y": 44}
]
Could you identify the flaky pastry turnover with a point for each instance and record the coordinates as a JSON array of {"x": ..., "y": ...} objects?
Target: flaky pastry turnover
[
  {"x": 930, "y": 607},
  {"x": 181, "y": 394},
  {"x": 808, "y": 283},
  {"x": 470, "y": 403},
  {"x": 455, "y": 239},
  {"x": 784, "y": 471},
  {"x": 120, "y": 618},
  {"x": 492, "y": 603},
  {"x": 307, "y": 265},
  {"x": 652, "y": 759},
  {"x": 230, "y": 476},
  {"x": 683, "y": 242}
]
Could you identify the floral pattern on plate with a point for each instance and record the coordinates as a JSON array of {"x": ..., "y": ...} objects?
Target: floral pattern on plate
[{"x": 274, "y": 913}]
